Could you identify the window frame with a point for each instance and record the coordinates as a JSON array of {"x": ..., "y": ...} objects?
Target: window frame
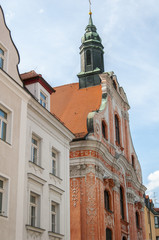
[
  {"x": 137, "y": 217},
  {"x": 53, "y": 215},
  {"x": 2, "y": 196},
  {"x": 88, "y": 58},
  {"x": 43, "y": 99},
  {"x": 3, "y": 122},
  {"x": 33, "y": 205},
  {"x": 107, "y": 200},
  {"x": 122, "y": 203},
  {"x": 104, "y": 130},
  {"x": 117, "y": 129},
  {"x": 55, "y": 163},
  {"x": 37, "y": 147},
  {"x": 109, "y": 234},
  {"x": 156, "y": 222},
  {"x": 2, "y": 57}
]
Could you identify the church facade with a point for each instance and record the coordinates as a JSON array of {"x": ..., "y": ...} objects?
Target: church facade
[{"x": 106, "y": 190}]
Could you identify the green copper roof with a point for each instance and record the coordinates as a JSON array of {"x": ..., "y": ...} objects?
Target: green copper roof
[{"x": 91, "y": 33}]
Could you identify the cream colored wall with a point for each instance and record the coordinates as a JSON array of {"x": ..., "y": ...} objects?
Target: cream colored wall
[
  {"x": 12, "y": 155},
  {"x": 38, "y": 179}
]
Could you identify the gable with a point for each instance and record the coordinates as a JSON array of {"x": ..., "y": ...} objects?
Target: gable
[{"x": 11, "y": 55}]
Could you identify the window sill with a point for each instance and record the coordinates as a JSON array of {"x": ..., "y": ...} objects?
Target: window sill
[
  {"x": 5, "y": 142},
  {"x": 57, "y": 235},
  {"x": 36, "y": 165},
  {"x": 52, "y": 175},
  {"x": 2, "y": 215},
  {"x": 35, "y": 229}
]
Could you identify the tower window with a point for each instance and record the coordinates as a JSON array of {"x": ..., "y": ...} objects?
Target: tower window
[
  {"x": 117, "y": 132},
  {"x": 88, "y": 57},
  {"x": 121, "y": 202}
]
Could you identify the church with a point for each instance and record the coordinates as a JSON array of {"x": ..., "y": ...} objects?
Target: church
[
  {"x": 106, "y": 190},
  {"x": 71, "y": 170}
]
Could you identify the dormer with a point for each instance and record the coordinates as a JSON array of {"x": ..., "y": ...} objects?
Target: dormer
[{"x": 38, "y": 87}]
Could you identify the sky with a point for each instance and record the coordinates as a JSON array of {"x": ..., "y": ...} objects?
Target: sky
[{"x": 47, "y": 34}]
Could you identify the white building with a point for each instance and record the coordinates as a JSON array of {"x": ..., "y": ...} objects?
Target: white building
[{"x": 34, "y": 154}]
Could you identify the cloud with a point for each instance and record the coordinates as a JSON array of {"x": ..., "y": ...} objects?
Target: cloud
[
  {"x": 153, "y": 179},
  {"x": 41, "y": 10}
]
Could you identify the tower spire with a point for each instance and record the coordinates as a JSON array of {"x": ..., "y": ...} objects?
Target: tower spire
[{"x": 91, "y": 51}]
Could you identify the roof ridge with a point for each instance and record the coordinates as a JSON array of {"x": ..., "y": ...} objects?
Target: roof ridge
[{"x": 66, "y": 85}]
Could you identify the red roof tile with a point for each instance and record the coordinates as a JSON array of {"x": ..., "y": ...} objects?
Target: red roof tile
[
  {"x": 72, "y": 105},
  {"x": 32, "y": 77}
]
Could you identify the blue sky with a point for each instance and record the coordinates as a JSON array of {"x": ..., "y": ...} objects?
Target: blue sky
[{"x": 48, "y": 34}]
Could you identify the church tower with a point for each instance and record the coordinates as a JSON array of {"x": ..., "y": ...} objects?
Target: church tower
[{"x": 91, "y": 52}]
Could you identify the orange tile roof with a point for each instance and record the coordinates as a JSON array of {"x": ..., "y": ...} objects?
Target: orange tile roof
[
  {"x": 30, "y": 74},
  {"x": 72, "y": 106}
]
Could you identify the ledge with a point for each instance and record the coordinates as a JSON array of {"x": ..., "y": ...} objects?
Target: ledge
[
  {"x": 57, "y": 235},
  {"x": 35, "y": 229},
  {"x": 56, "y": 189},
  {"x": 36, "y": 178}
]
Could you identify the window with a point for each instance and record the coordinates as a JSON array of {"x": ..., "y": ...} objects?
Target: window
[
  {"x": 35, "y": 150},
  {"x": 104, "y": 130},
  {"x": 114, "y": 85},
  {"x": 117, "y": 132},
  {"x": 156, "y": 221},
  {"x": 133, "y": 161},
  {"x": 3, "y": 125},
  {"x": 1, "y": 197},
  {"x": 55, "y": 163},
  {"x": 34, "y": 210},
  {"x": 1, "y": 58},
  {"x": 108, "y": 234},
  {"x": 88, "y": 57},
  {"x": 121, "y": 203},
  {"x": 106, "y": 200},
  {"x": 55, "y": 217},
  {"x": 42, "y": 99},
  {"x": 137, "y": 220}
]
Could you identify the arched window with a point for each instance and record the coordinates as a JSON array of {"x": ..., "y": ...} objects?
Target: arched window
[
  {"x": 121, "y": 202},
  {"x": 133, "y": 161},
  {"x": 88, "y": 57},
  {"x": 137, "y": 220},
  {"x": 104, "y": 130},
  {"x": 117, "y": 132},
  {"x": 108, "y": 234},
  {"x": 106, "y": 200}
]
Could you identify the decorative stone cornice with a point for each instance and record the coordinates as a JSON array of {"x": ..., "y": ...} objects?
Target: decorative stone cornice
[
  {"x": 130, "y": 197},
  {"x": 81, "y": 170}
]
